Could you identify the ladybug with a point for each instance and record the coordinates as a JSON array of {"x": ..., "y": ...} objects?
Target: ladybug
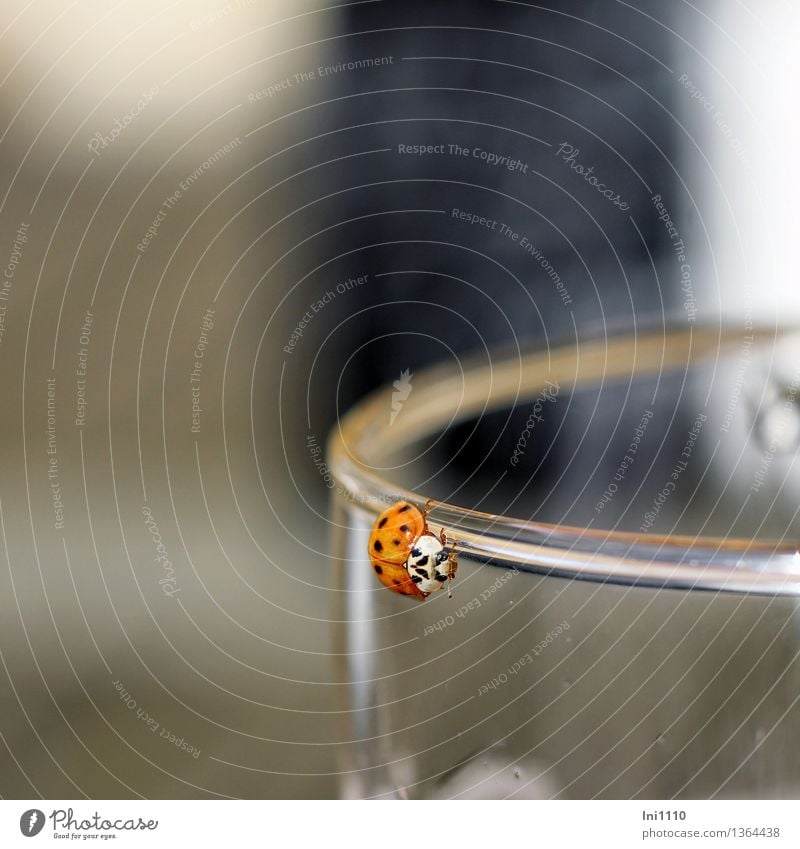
[{"x": 406, "y": 555}]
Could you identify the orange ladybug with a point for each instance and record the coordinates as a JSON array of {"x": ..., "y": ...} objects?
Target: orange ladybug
[{"x": 406, "y": 555}]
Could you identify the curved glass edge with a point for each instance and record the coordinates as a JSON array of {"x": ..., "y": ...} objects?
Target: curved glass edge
[{"x": 732, "y": 565}]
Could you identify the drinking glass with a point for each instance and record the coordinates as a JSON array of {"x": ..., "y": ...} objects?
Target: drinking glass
[{"x": 623, "y": 622}]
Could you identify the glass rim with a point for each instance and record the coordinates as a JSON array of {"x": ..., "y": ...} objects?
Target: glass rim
[{"x": 731, "y": 564}]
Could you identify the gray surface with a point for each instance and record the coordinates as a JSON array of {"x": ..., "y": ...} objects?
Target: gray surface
[{"x": 645, "y": 693}]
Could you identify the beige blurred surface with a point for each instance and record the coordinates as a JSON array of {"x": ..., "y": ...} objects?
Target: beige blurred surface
[{"x": 234, "y": 661}]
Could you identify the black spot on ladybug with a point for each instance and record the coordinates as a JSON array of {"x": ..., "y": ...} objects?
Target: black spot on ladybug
[
  {"x": 415, "y": 552},
  {"x": 404, "y": 508},
  {"x": 416, "y": 579},
  {"x": 383, "y": 521},
  {"x": 378, "y": 545},
  {"x": 378, "y": 569},
  {"x": 395, "y": 542},
  {"x": 396, "y": 582},
  {"x": 404, "y": 529},
  {"x": 424, "y": 561},
  {"x": 421, "y": 572},
  {"x": 441, "y": 578}
]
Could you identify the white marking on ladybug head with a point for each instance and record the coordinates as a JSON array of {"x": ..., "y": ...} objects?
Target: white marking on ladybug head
[{"x": 427, "y": 564}]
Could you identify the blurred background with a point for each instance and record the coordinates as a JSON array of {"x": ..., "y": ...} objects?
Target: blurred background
[{"x": 226, "y": 221}]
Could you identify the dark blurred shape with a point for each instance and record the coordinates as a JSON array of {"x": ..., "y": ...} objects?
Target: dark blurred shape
[{"x": 511, "y": 197}]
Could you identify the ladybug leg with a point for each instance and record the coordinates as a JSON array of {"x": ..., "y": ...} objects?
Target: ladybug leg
[
  {"x": 452, "y": 560},
  {"x": 452, "y": 564},
  {"x": 426, "y": 510},
  {"x": 443, "y": 555}
]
